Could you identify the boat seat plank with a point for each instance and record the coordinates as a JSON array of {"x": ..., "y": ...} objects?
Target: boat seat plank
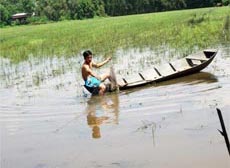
[
  {"x": 194, "y": 62},
  {"x": 181, "y": 64},
  {"x": 134, "y": 78},
  {"x": 156, "y": 70},
  {"x": 196, "y": 59},
  {"x": 200, "y": 56},
  {"x": 120, "y": 81},
  {"x": 165, "y": 69},
  {"x": 149, "y": 75},
  {"x": 172, "y": 67},
  {"x": 190, "y": 62},
  {"x": 202, "y": 59}
]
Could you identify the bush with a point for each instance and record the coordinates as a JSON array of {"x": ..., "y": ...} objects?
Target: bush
[
  {"x": 226, "y": 2},
  {"x": 4, "y": 16}
]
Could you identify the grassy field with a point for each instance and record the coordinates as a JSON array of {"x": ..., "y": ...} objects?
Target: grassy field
[{"x": 184, "y": 30}]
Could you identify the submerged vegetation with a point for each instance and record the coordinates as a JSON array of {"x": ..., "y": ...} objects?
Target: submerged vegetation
[{"x": 185, "y": 30}]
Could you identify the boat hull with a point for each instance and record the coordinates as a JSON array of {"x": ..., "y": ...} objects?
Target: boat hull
[{"x": 203, "y": 59}]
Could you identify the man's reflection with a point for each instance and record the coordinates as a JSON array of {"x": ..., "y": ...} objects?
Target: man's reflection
[{"x": 101, "y": 110}]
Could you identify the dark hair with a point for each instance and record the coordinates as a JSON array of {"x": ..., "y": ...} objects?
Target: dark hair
[{"x": 87, "y": 53}]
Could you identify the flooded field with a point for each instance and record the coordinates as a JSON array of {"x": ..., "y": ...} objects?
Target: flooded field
[{"x": 48, "y": 119}]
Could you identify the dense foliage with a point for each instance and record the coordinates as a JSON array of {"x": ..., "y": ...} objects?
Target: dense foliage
[{"x": 56, "y": 10}]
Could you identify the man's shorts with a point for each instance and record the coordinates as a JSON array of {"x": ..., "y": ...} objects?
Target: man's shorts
[
  {"x": 92, "y": 85},
  {"x": 92, "y": 82}
]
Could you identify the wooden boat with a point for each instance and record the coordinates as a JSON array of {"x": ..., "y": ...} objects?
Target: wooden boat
[{"x": 185, "y": 66}]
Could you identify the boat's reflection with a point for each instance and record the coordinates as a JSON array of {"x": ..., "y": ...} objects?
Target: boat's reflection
[{"x": 102, "y": 110}]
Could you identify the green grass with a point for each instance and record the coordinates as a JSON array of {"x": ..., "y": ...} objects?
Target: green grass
[{"x": 184, "y": 30}]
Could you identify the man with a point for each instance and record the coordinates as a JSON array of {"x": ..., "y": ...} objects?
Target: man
[{"x": 92, "y": 80}]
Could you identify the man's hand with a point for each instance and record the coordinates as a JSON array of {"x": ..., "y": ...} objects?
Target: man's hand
[
  {"x": 97, "y": 65},
  {"x": 109, "y": 58}
]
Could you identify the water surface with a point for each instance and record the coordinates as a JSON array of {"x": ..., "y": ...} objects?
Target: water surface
[{"x": 48, "y": 120}]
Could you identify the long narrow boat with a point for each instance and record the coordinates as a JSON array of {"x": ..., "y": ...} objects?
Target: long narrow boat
[{"x": 185, "y": 66}]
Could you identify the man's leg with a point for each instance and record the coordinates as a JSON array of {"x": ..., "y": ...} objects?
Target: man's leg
[
  {"x": 104, "y": 77},
  {"x": 111, "y": 76},
  {"x": 102, "y": 89}
]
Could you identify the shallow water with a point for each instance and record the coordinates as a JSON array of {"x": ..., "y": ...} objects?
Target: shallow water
[{"x": 48, "y": 120}]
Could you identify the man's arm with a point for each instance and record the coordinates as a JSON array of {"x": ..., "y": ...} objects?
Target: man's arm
[{"x": 97, "y": 65}]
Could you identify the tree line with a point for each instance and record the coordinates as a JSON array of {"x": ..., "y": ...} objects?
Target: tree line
[{"x": 57, "y": 10}]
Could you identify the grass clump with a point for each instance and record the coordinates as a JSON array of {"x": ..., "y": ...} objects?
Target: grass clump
[
  {"x": 226, "y": 28},
  {"x": 183, "y": 30}
]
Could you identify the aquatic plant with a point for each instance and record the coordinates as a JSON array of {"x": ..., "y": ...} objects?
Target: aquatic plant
[
  {"x": 108, "y": 35},
  {"x": 226, "y": 28}
]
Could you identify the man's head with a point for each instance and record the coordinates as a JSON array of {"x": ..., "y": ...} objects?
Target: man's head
[
  {"x": 87, "y": 53},
  {"x": 87, "y": 56}
]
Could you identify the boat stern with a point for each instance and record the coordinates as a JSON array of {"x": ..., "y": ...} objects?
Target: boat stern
[{"x": 210, "y": 53}]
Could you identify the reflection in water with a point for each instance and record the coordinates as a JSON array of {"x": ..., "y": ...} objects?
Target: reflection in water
[{"x": 100, "y": 110}]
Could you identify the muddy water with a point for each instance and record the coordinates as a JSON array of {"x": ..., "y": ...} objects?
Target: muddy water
[{"x": 48, "y": 120}]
